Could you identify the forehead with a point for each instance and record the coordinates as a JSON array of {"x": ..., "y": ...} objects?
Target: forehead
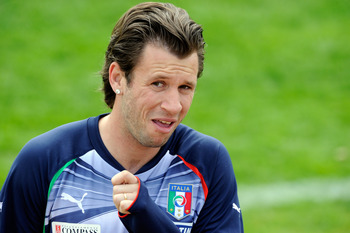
[{"x": 159, "y": 59}]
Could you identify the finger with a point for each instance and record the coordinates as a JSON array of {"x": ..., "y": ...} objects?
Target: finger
[
  {"x": 124, "y": 177},
  {"x": 124, "y": 206},
  {"x": 118, "y": 198},
  {"x": 123, "y": 201},
  {"x": 125, "y": 188}
]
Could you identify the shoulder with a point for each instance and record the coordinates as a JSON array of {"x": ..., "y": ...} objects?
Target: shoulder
[
  {"x": 206, "y": 153},
  {"x": 32, "y": 171},
  {"x": 50, "y": 150},
  {"x": 62, "y": 137},
  {"x": 189, "y": 141}
]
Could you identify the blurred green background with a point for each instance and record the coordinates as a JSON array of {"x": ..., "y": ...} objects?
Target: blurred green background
[{"x": 275, "y": 90}]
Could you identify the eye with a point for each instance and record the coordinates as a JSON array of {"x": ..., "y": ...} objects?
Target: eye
[
  {"x": 158, "y": 84},
  {"x": 185, "y": 87}
]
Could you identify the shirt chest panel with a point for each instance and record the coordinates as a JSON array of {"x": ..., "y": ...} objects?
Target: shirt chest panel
[{"x": 82, "y": 193}]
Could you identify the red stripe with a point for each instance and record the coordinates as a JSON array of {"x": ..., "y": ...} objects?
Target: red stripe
[
  {"x": 195, "y": 170},
  {"x": 188, "y": 203},
  {"x": 137, "y": 195}
]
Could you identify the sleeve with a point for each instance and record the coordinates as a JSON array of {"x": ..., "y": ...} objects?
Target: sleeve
[
  {"x": 221, "y": 211},
  {"x": 22, "y": 197},
  {"x": 146, "y": 216}
]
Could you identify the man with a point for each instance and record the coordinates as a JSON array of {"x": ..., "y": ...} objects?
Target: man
[{"x": 136, "y": 169}]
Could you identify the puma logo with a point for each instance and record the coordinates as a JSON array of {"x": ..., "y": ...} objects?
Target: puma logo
[
  {"x": 234, "y": 206},
  {"x": 67, "y": 197}
]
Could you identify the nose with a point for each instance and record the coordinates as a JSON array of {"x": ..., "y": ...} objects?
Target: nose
[{"x": 172, "y": 102}]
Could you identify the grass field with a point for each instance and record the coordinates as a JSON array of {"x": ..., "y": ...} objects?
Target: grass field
[{"x": 275, "y": 90}]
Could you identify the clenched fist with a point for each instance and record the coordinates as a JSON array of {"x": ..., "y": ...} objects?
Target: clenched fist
[{"x": 125, "y": 190}]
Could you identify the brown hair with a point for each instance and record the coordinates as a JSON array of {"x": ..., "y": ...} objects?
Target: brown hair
[{"x": 159, "y": 23}]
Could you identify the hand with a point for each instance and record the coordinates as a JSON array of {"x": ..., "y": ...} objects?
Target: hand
[{"x": 125, "y": 190}]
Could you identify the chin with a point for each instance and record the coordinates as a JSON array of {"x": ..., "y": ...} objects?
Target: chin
[{"x": 155, "y": 143}]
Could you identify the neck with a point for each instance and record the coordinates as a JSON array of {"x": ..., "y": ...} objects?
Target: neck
[{"x": 129, "y": 153}]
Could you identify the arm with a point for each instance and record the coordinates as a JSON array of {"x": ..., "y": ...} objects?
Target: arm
[
  {"x": 137, "y": 210},
  {"x": 23, "y": 202},
  {"x": 221, "y": 212}
]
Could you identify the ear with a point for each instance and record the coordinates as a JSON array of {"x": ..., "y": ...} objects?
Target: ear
[{"x": 115, "y": 76}]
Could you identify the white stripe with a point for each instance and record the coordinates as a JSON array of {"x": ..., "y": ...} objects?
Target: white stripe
[
  {"x": 316, "y": 190},
  {"x": 179, "y": 211},
  {"x": 183, "y": 224}
]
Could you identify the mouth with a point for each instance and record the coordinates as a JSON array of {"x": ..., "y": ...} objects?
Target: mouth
[{"x": 164, "y": 123}]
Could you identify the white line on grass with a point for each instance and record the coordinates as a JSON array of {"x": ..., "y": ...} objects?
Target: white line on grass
[{"x": 316, "y": 190}]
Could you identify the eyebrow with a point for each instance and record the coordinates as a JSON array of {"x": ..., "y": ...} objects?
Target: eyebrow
[
  {"x": 186, "y": 82},
  {"x": 191, "y": 84}
]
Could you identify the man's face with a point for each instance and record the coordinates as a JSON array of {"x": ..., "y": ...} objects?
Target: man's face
[{"x": 159, "y": 95}]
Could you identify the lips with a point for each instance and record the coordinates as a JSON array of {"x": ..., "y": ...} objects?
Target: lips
[{"x": 163, "y": 123}]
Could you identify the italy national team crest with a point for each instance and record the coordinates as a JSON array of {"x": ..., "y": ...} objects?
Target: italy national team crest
[{"x": 180, "y": 200}]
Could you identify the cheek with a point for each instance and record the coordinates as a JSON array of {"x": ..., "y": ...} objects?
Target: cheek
[
  {"x": 129, "y": 106},
  {"x": 144, "y": 106},
  {"x": 186, "y": 103}
]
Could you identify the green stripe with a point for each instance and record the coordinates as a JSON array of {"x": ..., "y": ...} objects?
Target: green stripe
[
  {"x": 171, "y": 206},
  {"x": 55, "y": 177}
]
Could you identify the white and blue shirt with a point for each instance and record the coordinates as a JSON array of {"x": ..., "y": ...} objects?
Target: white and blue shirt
[{"x": 61, "y": 182}]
